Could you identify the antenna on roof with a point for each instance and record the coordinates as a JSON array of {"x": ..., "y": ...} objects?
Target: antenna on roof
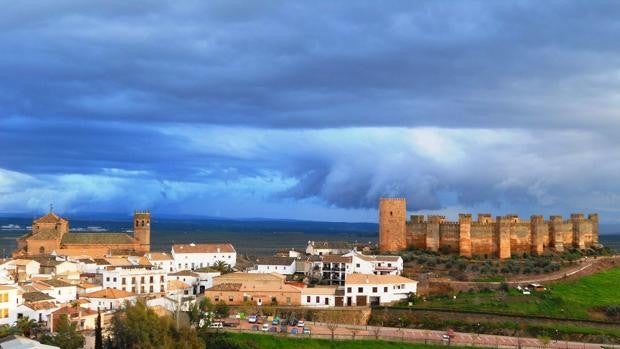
[{"x": 51, "y": 208}]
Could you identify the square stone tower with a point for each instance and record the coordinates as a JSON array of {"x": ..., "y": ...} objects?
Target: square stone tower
[
  {"x": 142, "y": 229},
  {"x": 392, "y": 224}
]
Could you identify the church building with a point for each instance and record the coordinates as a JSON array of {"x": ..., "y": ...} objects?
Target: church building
[{"x": 50, "y": 234}]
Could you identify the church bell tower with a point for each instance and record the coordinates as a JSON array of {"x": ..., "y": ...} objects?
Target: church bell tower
[{"x": 142, "y": 229}]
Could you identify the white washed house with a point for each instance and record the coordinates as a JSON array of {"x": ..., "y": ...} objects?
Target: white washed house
[
  {"x": 364, "y": 289},
  {"x": 135, "y": 279},
  {"x": 195, "y": 256}
]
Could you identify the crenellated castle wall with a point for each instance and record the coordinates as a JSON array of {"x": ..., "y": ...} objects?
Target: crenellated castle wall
[{"x": 501, "y": 237}]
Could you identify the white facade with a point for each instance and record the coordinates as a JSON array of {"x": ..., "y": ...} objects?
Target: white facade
[
  {"x": 275, "y": 265},
  {"x": 195, "y": 256},
  {"x": 378, "y": 265},
  {"x": 65, "y": 268},
  {"x": 162, "y": 260},
  {"x": 319, "y": 297},
  {"x": 25, "y": 268},
  {"x": 138, "y": 280},
  {"x": 23, "y": 310},
  {"x": 377, "y": 289},
  {"x": 63, "y": 294},
  {"x": 9, "y": 300},
  {"x": 109, "y": 303}
]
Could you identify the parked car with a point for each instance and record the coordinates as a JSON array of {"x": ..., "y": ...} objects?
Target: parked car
[
  {"x": 252, "y": 319},
  {"x": 306, "y": 331},
  {"x": 284, "y": 322},
  {"x": 265, "y": 328},
  {"x": 283, "y": 329},
  {"x": 293, "y": 322},
  {"x": 294, "y": 330},
  {"x": 301, "y": 323},
  {"x": 275, "y": 321},
  {"x": 273, "y": 329},
  {"x": 216, "y": 325},
  {"x": 445, "y": 338}
]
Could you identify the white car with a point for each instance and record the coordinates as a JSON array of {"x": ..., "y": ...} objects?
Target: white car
[
  {"x": 265, "y": 328},
  {"x": 252, "y": 319},
  {"x": 216, "y": 325},
  {"x": 301, "y": 323}
]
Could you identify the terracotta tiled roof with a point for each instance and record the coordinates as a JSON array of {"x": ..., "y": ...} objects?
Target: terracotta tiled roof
[
  {"x": 160, "y": 256},
  {"x": 203, "y": 248},
  {"x": 36, "y": 296},
  {"x": 358, "y": 279},
  {"x": 74, "y": 310},
  {"x": 50, "y": 218},
  {"x": 97, "y": 238},
  {"x": 109, "y": 293},
  {"x": 56, "y": 283},
  {"x": 336, "y": 259},
  {"x": 41, "y": 305},
  {"x": 274, "y": 261},
  {"x": 185, "y": 273},
  {"x": 177, "y": 285},
  {"x": 319, "y": 290},
  {"x": 45, "y": 234},
  {"x": 244, "y": 277},
  {"x": 226, "y": 287}
]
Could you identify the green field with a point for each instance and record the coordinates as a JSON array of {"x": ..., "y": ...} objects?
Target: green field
[
  {"x": 260, "y": 341},
  {"x": 573, "y": 299}
]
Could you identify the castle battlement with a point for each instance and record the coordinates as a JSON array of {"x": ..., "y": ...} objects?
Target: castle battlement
[{"x": 503, "y": 236}]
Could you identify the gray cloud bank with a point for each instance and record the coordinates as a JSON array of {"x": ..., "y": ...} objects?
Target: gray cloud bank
[{"x": 472, "y": 105}]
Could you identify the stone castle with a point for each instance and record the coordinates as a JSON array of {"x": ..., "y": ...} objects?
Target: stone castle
[
  {"x": 503, "y": 237},
  {"x": 50, "y": 234}
]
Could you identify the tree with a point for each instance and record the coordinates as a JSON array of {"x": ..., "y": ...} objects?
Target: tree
[
  {"x": 221, "y": 310},
  {"x": 98, "y": 332},
  {"x": 201, "y": 313},
  {"x": 66, "y": 337},
  {"x": 332, "y": 320},
  {"x": 137, "y": 326},
  {"x": 222, "y": 267},
  {"x": 26, "y": 326}
]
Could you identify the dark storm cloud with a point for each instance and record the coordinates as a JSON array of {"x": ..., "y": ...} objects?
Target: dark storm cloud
[
  {"x": 469, "y": 64},
  {"x": 256, "y": 103}
]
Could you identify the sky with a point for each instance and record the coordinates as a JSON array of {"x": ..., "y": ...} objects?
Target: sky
[{"x": 310, "y": 110}]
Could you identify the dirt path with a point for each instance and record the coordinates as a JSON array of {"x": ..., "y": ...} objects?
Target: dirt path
[{"x": 585, "y": 266}]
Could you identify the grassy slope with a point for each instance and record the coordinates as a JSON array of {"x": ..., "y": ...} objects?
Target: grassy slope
[
  {"x": 565, "y": 299},
  {"x": 275, "y": 342}
]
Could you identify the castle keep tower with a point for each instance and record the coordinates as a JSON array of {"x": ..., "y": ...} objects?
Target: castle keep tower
[
  {"x": 142, "y": 229},
  {"x": 392, "y": 224}
]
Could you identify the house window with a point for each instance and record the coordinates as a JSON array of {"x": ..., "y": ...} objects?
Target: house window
[
  {"x": 133, "y": 289},
  {"x": 357, "y": 265},
  {"x": 308, "y": 299},
  {"x": 360, "y": 290},
  {"x": 151, "y": 279},
  {"x": 389, "y": 264},
  {"x": 107, "y": 279},
  {"x": 161, "y": 278},
  {"x": 318, "y": 299},
  {"x": 133, "y": 280},
  {"x": 217, "y": 298},
  {"x": 161, "y": 288},
  {"x": 141, "y": 289},
  {"x": 123, "y": 281},
  {"x": 349, "y": 290},
  {"x": 151, "y": 289},
  {"x": 230, "y": 298},
  {"x": 385, "y": 289},
  {"x": 114, "y": 279},
  {"x": 374, "y": 290},
  {"x": 326, "y": 301},
  {"x": 142, "y": 279},
  {"x": 41, "y": 250}
]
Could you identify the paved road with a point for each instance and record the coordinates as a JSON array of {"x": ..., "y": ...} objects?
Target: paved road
[{"x": 413, "y": 335}]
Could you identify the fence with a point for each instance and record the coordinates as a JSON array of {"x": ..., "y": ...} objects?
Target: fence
[{"x": 405, "y": 336}]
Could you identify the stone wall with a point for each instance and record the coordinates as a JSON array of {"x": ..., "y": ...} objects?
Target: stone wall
[{"x": 502, "y": 237}]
